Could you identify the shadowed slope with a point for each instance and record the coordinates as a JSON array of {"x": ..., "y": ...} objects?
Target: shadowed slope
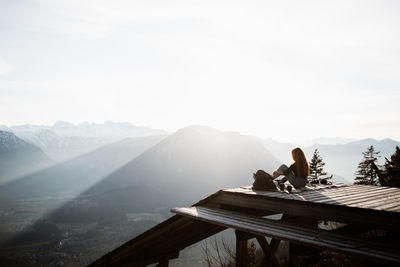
[
  {"x": 183, "y": 167},
  {"x": 18, "y": 157},
  {"x": 78, "y": 174},
  {"x": 178, "y": 170},
  {"x": 196, "y": 157},
  {"x": 64, "y": 141}
]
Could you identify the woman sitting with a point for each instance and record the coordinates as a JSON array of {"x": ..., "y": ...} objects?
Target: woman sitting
[{"x": 297, "y": 173}]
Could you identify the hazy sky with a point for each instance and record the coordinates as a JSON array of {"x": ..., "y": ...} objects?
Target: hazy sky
[{"x": 289, "y": 70}]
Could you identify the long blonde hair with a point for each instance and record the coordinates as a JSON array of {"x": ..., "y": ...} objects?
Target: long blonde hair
[{"x": 303, "y": 170}]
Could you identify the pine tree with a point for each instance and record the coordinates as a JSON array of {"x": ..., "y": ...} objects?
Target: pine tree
[
  {"x": 316, "y": 167},
  {"x": 392, "y": 169},
  {"x": 366, "y": 174}
]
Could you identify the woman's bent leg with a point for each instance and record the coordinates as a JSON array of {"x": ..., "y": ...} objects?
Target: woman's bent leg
[
  {"x": 296, "y": 181},
  {"x": 282, "y": 168}
]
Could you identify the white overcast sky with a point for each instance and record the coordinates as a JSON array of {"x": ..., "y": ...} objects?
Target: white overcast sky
[{"x": 290, "y": 70}]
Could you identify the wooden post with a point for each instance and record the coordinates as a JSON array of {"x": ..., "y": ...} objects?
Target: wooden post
[
  {"x": 268, "y": 253},
  {"x": 241, "y": 249},
  {"x": 274, "y": 244}
]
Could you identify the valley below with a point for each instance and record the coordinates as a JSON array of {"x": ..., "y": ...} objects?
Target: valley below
[{"x": 29, "y": 236}]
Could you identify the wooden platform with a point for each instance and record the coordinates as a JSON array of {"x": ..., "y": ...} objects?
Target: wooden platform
[
  {"x": 360, "y": 207},
  {"x": 360, "y": 204},
  {"x": 297, "y": 234},
  {"x": 359, "y": 196}
]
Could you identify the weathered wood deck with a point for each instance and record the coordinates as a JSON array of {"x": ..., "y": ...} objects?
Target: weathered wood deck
[
  {"x": 360, "y": 207},
  {"x": 359, "y": 196},
  {"x": 360, "y": 204}
]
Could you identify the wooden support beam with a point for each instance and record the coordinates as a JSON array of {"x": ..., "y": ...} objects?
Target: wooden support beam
[
  {"x": 274, "y": 244},
  {"x": 244, "y": 236},
  {"x": 241, "y": 249},
  {"x": 123, "y": 254},
  {"x": 269, "y": 254},
  {"x": 267, "y": 249},
  {"x": 245, "y": 210},
  {"x": 381, "y": 250}
]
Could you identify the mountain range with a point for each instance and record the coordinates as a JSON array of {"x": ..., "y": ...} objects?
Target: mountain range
[
  {"x": 18, "y": 157},
  {"x": 76, "y": 175},
  {"x": 93, "y": 161},
  {"x": 196, "y": 158},
  {"x": 199, "y": 157},
  {"x": 137, "y": 177},
  {"x": 63, "y": 140}
]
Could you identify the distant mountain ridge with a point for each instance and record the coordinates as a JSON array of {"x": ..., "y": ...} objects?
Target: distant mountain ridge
[
  {"x": 195, "y": 155},
  {"x": 78, "y": 174},
  {"x": 18, "y": 158},
  {"x": 86, "y": 129},
  {"x": 181, "y": 168},
  {"x": 327, "y": 141},
  {"x": 63, "y": 140}
]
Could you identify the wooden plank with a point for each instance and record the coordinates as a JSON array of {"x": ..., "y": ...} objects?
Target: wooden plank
[
  {"x": 335, "y": 190},
  {"x": 318, "y": 211},
  {"x": 152, "y": 238},
  {"x": 393, "y": 205},
  {"x": 343, "y": 194},
  {"x": 275, "y": 229},
  {"x": 264, "y": 193},
  {"x": 382, "y": 204},
  {"x": 126, "y": 248},
  {"x": 246, "y": 210},
  {"x": 340, "y": 193},
  {"x": 241, "y": 250},
  {"x": 179, "y": 240},
  {"x": 308, "y": 189},
  {"x": 151, "y": 252},
  {"x": 305, "y": 195},
  {"x": 305, "y": 222},
  {"x": 376, "y": 202},
  {"x": 311, "y": 196},
  {"x": 190, "y": 236},
  {"x": 329, "y": 192},
  {"x": 274, "y": 243},
  {"x": 375, "y": 194},
  {"x": 278, "y": 194},
  {"x": 374, "y": 197}
]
